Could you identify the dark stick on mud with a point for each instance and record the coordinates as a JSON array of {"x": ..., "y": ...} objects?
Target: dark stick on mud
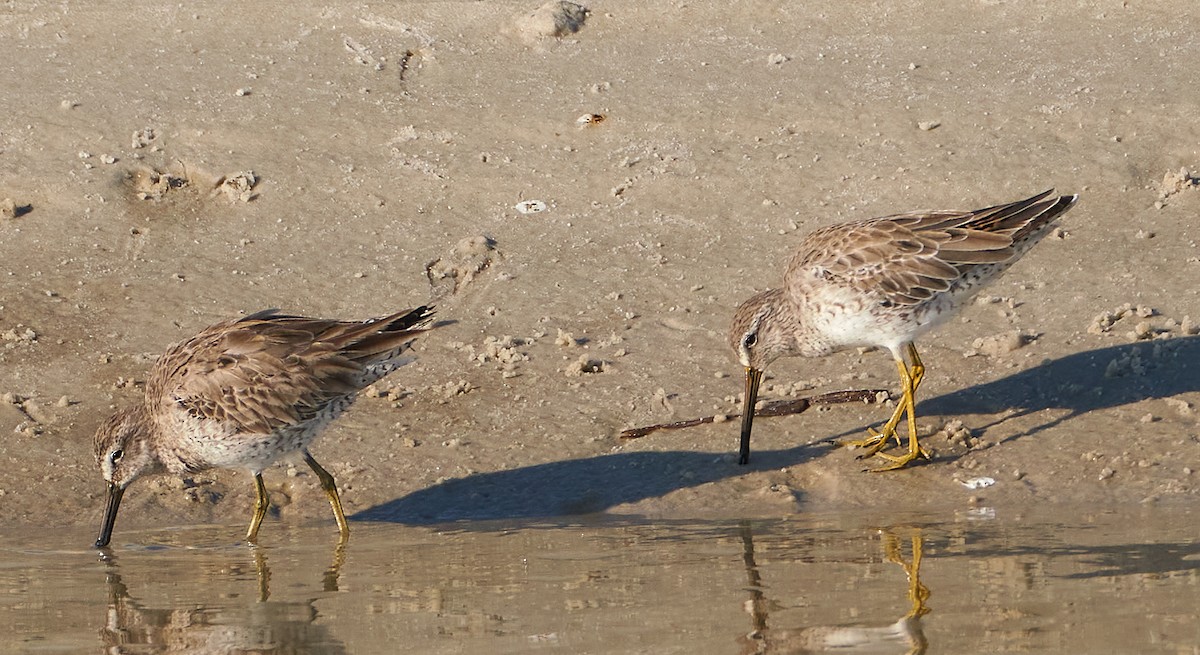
[{"x": 777, "y": 408}]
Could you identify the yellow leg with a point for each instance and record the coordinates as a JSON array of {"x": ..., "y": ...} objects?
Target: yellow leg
[
  {"x": 918, "y": 368},
  {"x": 330, "y": 488},
  {"x": 878, "y": 440},
  {"x": 910, "y": 378},
  {"x": 261, "y": 504}
]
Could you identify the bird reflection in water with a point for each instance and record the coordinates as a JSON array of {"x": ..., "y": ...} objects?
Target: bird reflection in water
[
  {"x": 905, "y": 635},
  {"x": 329, "y": 580},
  {"x": 223, "y": 622}
]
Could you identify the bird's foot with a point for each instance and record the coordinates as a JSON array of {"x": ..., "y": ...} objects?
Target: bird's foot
[
  {"x": 872, "y": 444},
  {"x": 901, "y": 461}
]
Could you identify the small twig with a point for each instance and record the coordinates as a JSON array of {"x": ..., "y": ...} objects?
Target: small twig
[{"x": 776, "y": 408}]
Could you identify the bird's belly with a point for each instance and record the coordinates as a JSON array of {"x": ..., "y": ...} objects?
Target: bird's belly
[
  {"x": 257, "y": 451},
  {"x": 213, "y": 445},
  {"x": 856, "y": 323}
]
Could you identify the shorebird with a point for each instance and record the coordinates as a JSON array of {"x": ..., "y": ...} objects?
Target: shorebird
[
  {"x": 246, "y": 392},
  {"x": 883, "y": 282}
]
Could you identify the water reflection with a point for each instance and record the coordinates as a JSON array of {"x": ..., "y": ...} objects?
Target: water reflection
[
  {"x": 1104, "y": 582},
  {"x": 905, "y": 635},
  {"x": 225, "y": 620}
]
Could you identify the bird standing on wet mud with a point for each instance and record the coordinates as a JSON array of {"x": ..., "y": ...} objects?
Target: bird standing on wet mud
[
  {"x": 883, "y": 282},
  {"x": 245, "y": 393}
]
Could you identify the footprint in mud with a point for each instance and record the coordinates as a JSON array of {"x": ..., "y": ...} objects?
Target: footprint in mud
[
  {"x": 238, "y": 186},
  {"x": 182, "y": 183},
  {"x": 448, "y": 275}
]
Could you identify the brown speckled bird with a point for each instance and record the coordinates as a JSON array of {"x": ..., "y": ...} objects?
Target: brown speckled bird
[
  {"x": 246, "y": 392},
  {"x": 883, "y": 282}
]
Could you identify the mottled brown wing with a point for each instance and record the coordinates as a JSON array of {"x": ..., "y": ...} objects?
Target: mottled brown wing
[
  {"x": 905, "y": 259},
  {"x": 266, "y": 371}
]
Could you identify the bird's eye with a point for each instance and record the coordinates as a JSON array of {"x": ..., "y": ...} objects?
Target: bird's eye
[
  {"x": 749, "y": 340},
  {"x": 115, "y": 455}
]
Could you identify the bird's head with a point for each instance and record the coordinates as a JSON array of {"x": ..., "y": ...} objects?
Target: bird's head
[
  {"x": 760, "y": 334},
  {"x": 123, "y": 453}
]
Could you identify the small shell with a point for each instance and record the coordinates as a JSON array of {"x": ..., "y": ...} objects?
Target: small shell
[
  {"x": 530, "y": 206},
  {"x": 589, "y": 119},
  {"x": 978, "y": 483}
]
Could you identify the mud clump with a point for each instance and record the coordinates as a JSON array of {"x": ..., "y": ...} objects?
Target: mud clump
[
  {"x": 999, "y": 344},
  {"x": 584, "y": 365},
  {"x": 238, "y": 186},
  {"x": 554, "y": 19},
  {"x": 1173, "y": 183},
  {"x": 154, "y": 185},
  {"x": 10, "y": 209}
]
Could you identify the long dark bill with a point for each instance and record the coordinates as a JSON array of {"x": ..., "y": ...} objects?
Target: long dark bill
[
  {"x": 110, "y": 515},
  {"x": 753, "y": 377}
]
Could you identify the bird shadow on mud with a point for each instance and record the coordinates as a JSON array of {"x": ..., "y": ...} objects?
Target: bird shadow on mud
[
  {"x": 572, "y": 487},
  {"x": 1077, "y": 384},
  {"x": 1080, "y": 383}
]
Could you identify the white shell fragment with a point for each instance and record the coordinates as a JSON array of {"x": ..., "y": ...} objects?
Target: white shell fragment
[
  {"x": 530, "y": 206},
  {"x": 978, "y": 483},
  {"x": 589, "y": 119}
]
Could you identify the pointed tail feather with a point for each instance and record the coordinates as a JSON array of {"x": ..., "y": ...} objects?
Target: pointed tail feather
[{"x": 383, "y": 338}]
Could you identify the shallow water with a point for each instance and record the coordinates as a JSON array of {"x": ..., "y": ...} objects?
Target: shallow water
[{"x": 1102, "y": 582}]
